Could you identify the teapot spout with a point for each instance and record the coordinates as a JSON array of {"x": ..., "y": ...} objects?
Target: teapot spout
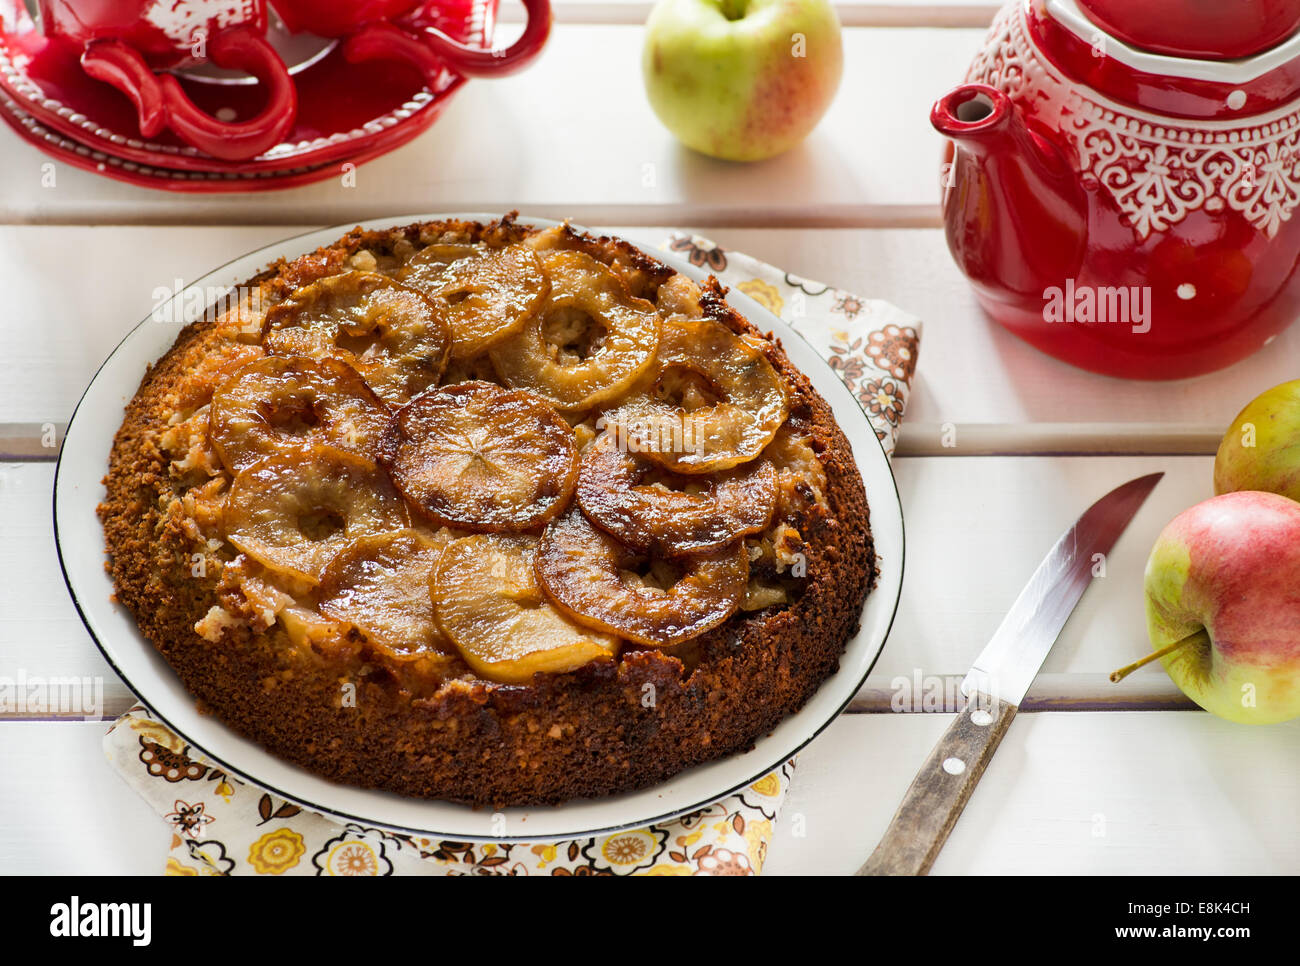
[{"x": 1015, "y": 214}]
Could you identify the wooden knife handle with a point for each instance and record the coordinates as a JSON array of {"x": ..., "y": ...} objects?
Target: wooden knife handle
[{"x": 936, "y": 798}]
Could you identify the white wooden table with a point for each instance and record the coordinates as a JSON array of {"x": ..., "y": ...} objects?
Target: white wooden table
[{"x": 1103, "y": 778}]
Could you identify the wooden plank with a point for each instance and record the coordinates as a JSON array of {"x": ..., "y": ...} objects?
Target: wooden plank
[
  {"x": 40, "y": 632},
  {"x": 976, "y": 529},
  {"x": 552, "y": 142},
  {"x": 994, "y": 393},
  {"x": 64, "y": 811},
  {"x": 1109, "y": 793},
  {"x": 1088, "y": 794},
  {"x": 980, "y": 387},
  {"x": 54, "y": 335}
]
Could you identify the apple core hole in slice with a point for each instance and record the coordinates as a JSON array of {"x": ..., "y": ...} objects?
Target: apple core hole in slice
[
  {"x": 292, "y": 420},
  {"x": 320, "y": 523},
  {"x": 686, "y": 388},
  {"x": 575, "y": 334}
]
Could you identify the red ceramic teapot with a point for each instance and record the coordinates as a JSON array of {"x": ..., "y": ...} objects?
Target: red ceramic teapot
[{"x": 1123, "y": 179}]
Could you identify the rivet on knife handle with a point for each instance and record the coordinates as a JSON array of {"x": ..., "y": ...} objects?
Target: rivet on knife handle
[{"x": 936, "y": 798}]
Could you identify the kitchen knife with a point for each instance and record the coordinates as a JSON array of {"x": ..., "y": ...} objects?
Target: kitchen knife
[{"x": 997, "y": 683}]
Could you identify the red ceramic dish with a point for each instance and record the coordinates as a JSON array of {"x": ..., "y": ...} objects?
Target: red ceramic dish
[
  {"x": 344, "y": 109},
  {"x": 78, "y": 155}
]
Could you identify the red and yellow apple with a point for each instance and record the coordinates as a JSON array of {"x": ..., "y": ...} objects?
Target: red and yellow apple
[
  {"x": 1261, "y": 450},
  {"x": 1223, "y": 599},
  {"x": 742, "y": 79}
]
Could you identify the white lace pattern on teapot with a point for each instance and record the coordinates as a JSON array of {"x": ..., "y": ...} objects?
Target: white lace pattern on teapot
[{"x": 1158, "y": 169}]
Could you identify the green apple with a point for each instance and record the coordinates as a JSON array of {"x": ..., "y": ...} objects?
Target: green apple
[
  {"x": 1223, "y": 605},
  {"x": 1261, "y": 450},
  {"x": 742, "y": 79}
]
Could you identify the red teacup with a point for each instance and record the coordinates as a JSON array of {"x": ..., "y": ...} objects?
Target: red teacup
[
  {"x": 124, "y": 41},
  {"x": 400, "y": 29}
]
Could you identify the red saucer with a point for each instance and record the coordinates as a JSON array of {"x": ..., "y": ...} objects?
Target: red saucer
[
  {"x": 78, "y": 155},
  {"x": 345, "y": 110}
]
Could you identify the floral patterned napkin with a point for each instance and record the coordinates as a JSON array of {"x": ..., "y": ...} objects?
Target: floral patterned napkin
[{"x": 224, "y": 826}]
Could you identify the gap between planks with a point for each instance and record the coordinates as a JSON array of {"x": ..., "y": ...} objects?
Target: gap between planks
[
  {"x": 955, "y": 13},
  {"x": 294, "y": 216},
  {"x": 39, "y": 442},
  {"x": 1058, "y": 439},
  {"x": 1049, "y": 693}
]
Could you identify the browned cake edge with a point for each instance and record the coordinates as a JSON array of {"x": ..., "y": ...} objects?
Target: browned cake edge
[{"x": 594, "y": 732}]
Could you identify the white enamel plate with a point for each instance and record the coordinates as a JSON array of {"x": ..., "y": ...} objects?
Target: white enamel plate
[{"x": 78, "y": 488}]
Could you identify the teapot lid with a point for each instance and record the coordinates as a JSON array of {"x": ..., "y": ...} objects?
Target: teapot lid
[
  {"x": 1222, "y": 89},
  {"x": 1202, "y": 29}
]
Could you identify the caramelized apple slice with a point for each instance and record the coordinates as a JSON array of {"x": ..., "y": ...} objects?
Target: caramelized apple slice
[
  {"x": 800, "y": 475},
  {"x": 310, "y": 630},
  {"x": 426, "y": 264},
  {"x": 389, "y": 333},
  {"x": 617, "y": 494},
  {"x": 485, "y": 294},
  {"x": 280, "y": 403},
  {"x": 380, "y": 585},
  {"x": 717, "y": 403},
  {"x": 480, "y": 457},
  {"x": 590, "y": 341},
  {"x": 292, "y": 512},
  {"x": 486, "y": 601},
  {"x": 591, "y": 577}
]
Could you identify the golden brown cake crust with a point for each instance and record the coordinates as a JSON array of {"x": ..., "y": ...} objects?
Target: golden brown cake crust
[{"x": 589, "y": 733}]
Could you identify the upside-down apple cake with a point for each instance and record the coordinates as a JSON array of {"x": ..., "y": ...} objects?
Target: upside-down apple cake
[{"x": 489, "y": 513}]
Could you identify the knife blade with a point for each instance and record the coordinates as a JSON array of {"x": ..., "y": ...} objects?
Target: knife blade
[{"x": 998, "y": 682}]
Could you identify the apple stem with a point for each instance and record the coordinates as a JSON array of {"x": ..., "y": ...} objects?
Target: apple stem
[{"x": 1122, "y": 673}]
